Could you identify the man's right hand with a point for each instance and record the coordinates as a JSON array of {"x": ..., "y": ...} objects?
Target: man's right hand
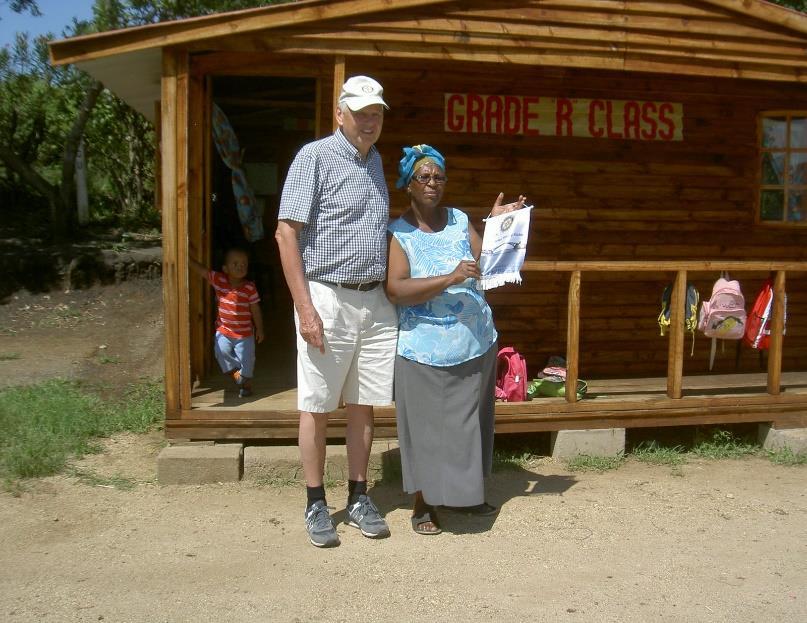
[{"x": 311, "y": 327}]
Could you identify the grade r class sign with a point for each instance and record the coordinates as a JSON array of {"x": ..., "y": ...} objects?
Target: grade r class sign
[{"x": 529, "y": 115}]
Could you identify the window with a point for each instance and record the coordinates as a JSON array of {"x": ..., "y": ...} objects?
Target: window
[{"x": 783, "y": 168}]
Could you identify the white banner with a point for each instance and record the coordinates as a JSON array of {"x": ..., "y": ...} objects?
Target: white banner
[{"x": 504, "y": 246}]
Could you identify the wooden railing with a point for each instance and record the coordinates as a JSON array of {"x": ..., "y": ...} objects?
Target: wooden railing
[{"x": 675, "y": 357}]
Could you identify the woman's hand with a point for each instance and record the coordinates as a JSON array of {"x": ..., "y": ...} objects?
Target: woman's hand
[
  {"x": 464, "y": 270},
  {"x": 498, "y": 208}
]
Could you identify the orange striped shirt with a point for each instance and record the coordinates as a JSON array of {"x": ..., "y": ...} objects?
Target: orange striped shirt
[{"x": 235, "y": 316}]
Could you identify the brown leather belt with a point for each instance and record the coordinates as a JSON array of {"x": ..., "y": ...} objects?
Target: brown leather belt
[{"x": 361, "y": 287}]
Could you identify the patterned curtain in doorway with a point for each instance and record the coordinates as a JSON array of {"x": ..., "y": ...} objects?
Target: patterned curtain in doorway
[{"x": 230, "y": 151}]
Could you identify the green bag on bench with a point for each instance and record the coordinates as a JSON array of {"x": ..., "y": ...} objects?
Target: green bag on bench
[
  {"x": 552, "y": 388},
  {"x": 551, "y": 381}
]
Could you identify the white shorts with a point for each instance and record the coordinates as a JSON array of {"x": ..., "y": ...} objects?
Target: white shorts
[{"x": 361, "y": 337}]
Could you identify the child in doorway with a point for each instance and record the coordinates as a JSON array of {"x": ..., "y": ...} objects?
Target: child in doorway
[{"x": 238, "y": 311}]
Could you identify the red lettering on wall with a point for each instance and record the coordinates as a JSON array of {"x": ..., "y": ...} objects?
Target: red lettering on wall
[
  {"x": 493, "y": 115},
  {"x": 512, "y": 114},
  {"x": 667, "y": 134},
  {"x": 631, "y": 115},
  {"x": 649, "y": 118},
  {"x": 474, "y": 112},
  {"x": 563, "y": 117},
  {"x": 454, "y": 119},
  {"x": 609, "y": 120},
  {"x": 593, "y": 106},
  {"x": 526, "y": 129}
]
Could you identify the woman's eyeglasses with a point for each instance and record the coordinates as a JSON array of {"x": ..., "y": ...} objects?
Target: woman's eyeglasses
[{"x": 438, "y": 180}]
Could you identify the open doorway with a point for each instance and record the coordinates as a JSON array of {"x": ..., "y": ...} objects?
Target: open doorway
[{"x": 272, "y": 117}]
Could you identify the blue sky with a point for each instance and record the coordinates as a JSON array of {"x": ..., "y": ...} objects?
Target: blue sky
[{"x": 56, "y": 15}]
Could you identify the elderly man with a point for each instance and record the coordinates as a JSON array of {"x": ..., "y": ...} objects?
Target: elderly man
[{"x": 332, "y": 238}]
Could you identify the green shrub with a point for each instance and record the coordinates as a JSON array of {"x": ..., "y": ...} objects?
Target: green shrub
[
  {"x": 723, "y": 445},
  {"x": 654, "y": 454},
  {"x": 786, "y": 456},
  {"x": 587, "y": 463}
]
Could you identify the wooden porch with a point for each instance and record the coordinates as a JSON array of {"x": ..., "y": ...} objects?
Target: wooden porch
[
  {"x": 610, "y": 403},
  {"x": 773, "y": 396}
]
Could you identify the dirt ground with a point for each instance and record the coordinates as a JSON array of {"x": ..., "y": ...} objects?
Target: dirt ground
[{"x": 707, "y": 541}]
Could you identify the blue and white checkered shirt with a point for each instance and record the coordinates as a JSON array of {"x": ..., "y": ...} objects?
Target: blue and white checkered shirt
[{"x": 343, "y": 203}]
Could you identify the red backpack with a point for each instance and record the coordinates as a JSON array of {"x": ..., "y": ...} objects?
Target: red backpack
[
  {"x": 758, "y": 327},
  {"x": 511, "y": 376}
]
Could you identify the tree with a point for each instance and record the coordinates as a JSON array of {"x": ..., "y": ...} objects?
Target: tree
[
  {"x": 21, "y": 6},
  {"x": 799, "y": 5},
  {"x": 43, "y": 114},
  {"x": 124, "y": 13},
  {"x": 120, "y": 142}
]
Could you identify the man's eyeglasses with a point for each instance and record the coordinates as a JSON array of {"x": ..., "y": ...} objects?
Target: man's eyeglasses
[{"x": 439, "y": 180}]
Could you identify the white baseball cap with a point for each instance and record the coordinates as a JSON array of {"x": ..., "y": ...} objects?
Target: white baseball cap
[{"x": 361, "y": 91}]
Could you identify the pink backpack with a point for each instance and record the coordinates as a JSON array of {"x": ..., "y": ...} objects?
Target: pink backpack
[
  {"x": 511, "y": 376},
  {"x": 723, "y": 315}
]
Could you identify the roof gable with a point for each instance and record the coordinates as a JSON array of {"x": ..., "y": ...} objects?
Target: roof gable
[
  {"x": 699, "y": 38},
  {"x": 661, "y": 17},
  {"x": 724, "y": 38},
  {"x": 233, "y": 23}
]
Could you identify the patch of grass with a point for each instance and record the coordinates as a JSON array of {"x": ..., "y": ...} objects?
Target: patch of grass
[
  {"x": 139, "y": 408},
  {"x": 92, "y": 479},
  {"x": 723, "y": 444},
  {"x": 9, "y": 356},
  {"x": 108, "y": 359},
  {"x": 786, "y": 456},
  {"x": 654, "y": 454},
  {"x": 61, "y": 315},
  {"x": 587, "y": 463},
  {"x": 511, "y": 460},
  {"x": 45, "y": 424}
]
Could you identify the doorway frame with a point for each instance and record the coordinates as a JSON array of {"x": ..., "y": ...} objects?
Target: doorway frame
[{"x": 187, "y": 149}]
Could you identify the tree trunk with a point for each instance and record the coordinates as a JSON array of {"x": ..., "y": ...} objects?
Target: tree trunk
[
  {"x": 61, "y": 198},
  {"x": 30, "y": 176},
  {"x": 66, "y": 216}
]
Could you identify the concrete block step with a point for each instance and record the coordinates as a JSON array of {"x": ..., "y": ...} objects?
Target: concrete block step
[{"x": 281, "y": 463}]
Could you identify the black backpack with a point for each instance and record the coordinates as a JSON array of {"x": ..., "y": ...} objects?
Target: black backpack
[{"x": 690, "y": 313}]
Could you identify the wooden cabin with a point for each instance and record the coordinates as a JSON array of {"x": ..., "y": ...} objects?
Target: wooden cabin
[{"x": 661, "y": 142}]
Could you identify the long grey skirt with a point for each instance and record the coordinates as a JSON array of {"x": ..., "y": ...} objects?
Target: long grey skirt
[{"x": 445, "y": 428}]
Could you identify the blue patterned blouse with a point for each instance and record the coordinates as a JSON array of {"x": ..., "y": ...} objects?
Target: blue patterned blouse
[{"x": 456, "y": 325}]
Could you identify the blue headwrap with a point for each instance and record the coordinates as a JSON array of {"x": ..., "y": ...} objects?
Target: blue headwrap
[{"x": 412, "y": 156}]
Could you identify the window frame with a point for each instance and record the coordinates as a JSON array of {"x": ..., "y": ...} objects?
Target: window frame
[{"x": 786, "y": 187}]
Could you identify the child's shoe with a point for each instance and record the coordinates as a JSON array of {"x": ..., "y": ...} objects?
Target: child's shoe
[{"x": 245, "y": 387}]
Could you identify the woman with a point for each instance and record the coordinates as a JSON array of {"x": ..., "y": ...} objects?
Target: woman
[{"x": 445, "y": 368}]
